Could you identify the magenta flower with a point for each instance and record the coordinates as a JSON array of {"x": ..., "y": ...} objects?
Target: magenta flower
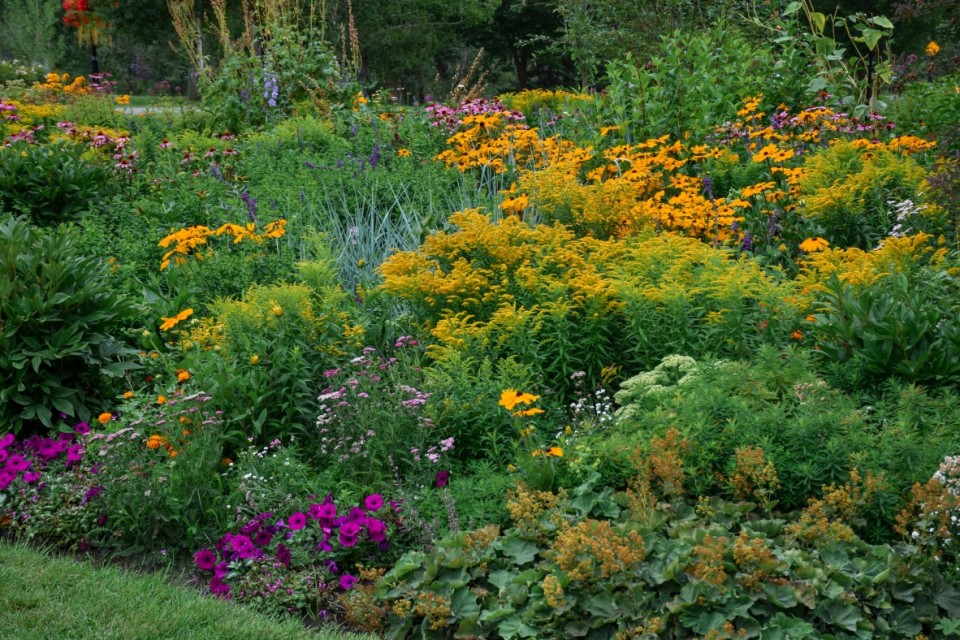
[
  {"x": 221, "y": 570},
  {"x": 31, "y": 476},
  {"x": 283, "y": 555},
  {"x": 297, "y": 521},
  {"x": 376, "y": 529},
  {"x": 373, "y": 502},
  {"x": 7, "y": 440},
  {"x": 3, "y": 455},
  {"x": 442, "y": 478},
  {"x": 262, "y": 538},
  {"x": 74, "y": 454},
  {"x": 48, "y": 449},
  {"x": 82, "y": 429},
  {"x": 347, "y": 581},
  {"x": 205, "y": 559},
  {"x": 17, "y": 463},
  {"x": 220, "y": 588},
  {"x": 6, "y": 478},
  {"x": 325, "y": 513}
]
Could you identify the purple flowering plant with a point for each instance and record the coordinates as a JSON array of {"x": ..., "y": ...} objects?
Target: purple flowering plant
[
  {"x": 50, "y": 488},
  {"x": 301, "y": 562},
  {"x": 372, "y": 417}
]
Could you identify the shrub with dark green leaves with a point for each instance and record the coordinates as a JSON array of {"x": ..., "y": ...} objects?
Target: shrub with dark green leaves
[
  {"x": 900, "y": 326},
  {"x": 50, "y": 182},
  {"x": 58, "y": 325},
  {"x": 592, "y": 565}
]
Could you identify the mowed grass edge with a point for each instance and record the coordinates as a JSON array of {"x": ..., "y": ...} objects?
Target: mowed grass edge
[{"x": 43, "y": 597}]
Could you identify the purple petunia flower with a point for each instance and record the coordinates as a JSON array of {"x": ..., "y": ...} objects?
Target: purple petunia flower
[
  {"x": 48, "y": 449},
  {"x": 283, "y": 555},
  {"x": 297, "y": 521},
  {"x": 373, "y": 502},
  {"x": 74, "y": 454},
  {"x": 82, "y": 429},
  {"x": 17, "y": 463},
  {"x": 376, "y": 529},
  {"x": 31, "y": 476},
  {"x": 6, "y": 478},
  {"x": 205, "y": 559},
  {"x": 442, "y": 478},
  {"x": 262, "y": 538},
  {"x": 220, "y": 588},
  {"x": 347, "y": 581}
]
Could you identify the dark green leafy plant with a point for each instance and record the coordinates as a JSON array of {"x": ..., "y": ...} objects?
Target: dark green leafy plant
[
  {"x": 581, "y": 566},
  {"x": 901, "y": 326},
  {"x": 58, "y": 322},
  {"x": 50, "y": 182}
]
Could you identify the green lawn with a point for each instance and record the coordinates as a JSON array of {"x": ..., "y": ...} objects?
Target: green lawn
[{"x": 43, "y": 597}]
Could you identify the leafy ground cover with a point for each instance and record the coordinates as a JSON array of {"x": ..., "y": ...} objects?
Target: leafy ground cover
[{"x": 552, "y": 364}]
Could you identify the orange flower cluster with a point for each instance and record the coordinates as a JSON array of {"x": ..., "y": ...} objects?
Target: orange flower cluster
[{"x": 186, "y": 241}]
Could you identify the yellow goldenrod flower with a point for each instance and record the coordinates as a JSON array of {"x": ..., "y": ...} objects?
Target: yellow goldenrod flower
[
  {"x": 932, "y": 48},
  {"x": 277, "y": 310}
]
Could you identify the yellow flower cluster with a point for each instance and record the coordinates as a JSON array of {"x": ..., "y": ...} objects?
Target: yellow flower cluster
[
  {"x": 57, "y": 85},
  {"x": 859, "y": 267},
  {"x": 186, "y": 241}
]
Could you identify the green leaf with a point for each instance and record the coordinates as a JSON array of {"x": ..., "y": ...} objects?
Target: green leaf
[
  {"x": 522, "y": 551},
  {"x": 513, "y": 627},
  {"x": 819, "y": 21},
  {"x": 882, "y": 21},
  {"x": 463, "y": 603},
  {"x": 871, "y": 37},
  {"x": 702, "y": 622},
  {"x": 840, "y": 614},
  {"x": 601, "y": 606},
  {"x": 784, "y": 627},
  {"x": 792, "y": 8}
]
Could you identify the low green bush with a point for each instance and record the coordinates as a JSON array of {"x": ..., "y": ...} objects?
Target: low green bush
[
  {"x": 597, "y": 565},
  {"x": 50, "y": 182},
  {"x": 60, "y": 324}
]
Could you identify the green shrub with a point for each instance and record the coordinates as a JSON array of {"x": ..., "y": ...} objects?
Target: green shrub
[
  {"x": 59, "y": 320},
  {"x": 848, "y": 192},
  {"x": 590, "y": 565},
  {"x": 813, "y": 433},
  {"x": 50, "y": 182},
  {"x": 900, "y": 326}
]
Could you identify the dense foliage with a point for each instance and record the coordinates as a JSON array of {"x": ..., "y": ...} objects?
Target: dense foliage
[{"x": 674, "y": 359}]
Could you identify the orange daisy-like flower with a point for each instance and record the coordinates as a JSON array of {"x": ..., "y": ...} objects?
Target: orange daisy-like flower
[
  {"x": 510, "y": 398},
  {"x": 128, "y": 394},
  {"x": 170, "y": 323},
  {"x": 183, "y": 375},
  {"x": 161, "y": 400},
  {"x": 532, "y": 411},
  {"x": 810, "y": 245},
  {"x": 104, "y": 417}
]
